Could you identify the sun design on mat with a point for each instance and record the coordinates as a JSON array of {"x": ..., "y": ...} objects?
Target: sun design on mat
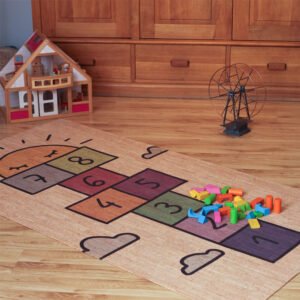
[{"x": 28, "y": 157}]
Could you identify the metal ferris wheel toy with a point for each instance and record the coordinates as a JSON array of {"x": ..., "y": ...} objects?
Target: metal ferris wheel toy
[{"x": 238, "y": 94}]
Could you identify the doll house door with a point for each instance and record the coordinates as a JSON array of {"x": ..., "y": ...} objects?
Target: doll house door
[
  {"x": 48, "y": 104},
  {"x": 23, "y": 98}
]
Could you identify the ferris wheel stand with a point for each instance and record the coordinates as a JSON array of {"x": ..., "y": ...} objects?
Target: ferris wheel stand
[{"x": 237, "y": 127}]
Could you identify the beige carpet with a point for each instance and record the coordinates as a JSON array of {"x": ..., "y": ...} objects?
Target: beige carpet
[{"x": 126, "y": 202}]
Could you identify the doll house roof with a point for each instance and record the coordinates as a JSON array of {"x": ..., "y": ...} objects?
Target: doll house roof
[{"x": 36, "y": 45}]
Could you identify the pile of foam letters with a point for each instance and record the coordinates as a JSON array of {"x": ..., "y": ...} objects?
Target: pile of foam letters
[{"x": 229, "y": 202}]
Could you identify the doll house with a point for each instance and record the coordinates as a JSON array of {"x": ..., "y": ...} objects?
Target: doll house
[{"x": 41, "y": 81}]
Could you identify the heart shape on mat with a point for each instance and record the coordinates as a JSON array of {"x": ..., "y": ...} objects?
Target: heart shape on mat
[{"x": 194, "y": 262}]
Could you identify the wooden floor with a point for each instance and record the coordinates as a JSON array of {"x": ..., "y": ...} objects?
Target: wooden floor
[{"x": 35, "y": 267}]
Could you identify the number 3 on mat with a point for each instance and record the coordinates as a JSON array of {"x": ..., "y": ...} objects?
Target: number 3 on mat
[{"x": 173, "y": 209}]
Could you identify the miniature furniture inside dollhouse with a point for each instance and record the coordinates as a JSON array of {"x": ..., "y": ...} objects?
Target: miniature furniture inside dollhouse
[{"x": 42, "y": 81}]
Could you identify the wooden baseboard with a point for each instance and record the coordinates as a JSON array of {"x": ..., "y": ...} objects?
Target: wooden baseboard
[
  {"x": 33, "y": 119},
  {"x": 181, "y": 91},
  {"x": 150, "y": 90}
]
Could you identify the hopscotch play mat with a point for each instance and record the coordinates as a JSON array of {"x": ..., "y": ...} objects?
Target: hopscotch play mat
[{"x": 127, "y": 203}]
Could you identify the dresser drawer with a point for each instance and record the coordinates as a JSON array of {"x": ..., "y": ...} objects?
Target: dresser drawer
[
  {"x": 178, "y": 63},
  {"x": 104, "y": 62},
  {"x": 278, "y": 66}
]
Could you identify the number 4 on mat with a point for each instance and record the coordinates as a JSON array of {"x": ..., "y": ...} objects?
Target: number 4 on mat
[{"x": 108, "y": 204}]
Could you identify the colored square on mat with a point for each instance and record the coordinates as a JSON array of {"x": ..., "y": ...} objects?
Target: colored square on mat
[
  {"x": 93, "y": 181},
  {"x": 149, "y": 184},
  {"x": 37, "y": 179},
  {"x": 168, "y": 208},
  {"x": 81, "y": 160},
  {"x": 211, "y": 230},
  {"x": 106, "y": 206},
  {"x": 270, "y": 242}
]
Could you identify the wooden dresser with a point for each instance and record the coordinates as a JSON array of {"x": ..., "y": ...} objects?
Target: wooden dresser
[{"x": 170, "y": 48}]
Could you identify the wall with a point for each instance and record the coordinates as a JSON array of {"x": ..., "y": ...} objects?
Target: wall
[
  {"x": 15, "y": 25},
  {"x": 15, "y": 22},
  {"x": 1, "y": 23}
]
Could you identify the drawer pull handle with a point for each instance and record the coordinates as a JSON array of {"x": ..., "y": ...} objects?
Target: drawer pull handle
[
  {"x": 87, "y": 63},
  {"x": 180, "y": 63},
  {"x": 277, "y": 67}
]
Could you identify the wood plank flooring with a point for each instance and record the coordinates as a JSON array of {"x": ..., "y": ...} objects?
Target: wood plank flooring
[{"x": 35, "y": 267}]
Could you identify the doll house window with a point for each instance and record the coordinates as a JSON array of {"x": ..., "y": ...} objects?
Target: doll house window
[
  {"x": 14, "y": 100},
  {"x": 80, "y": 93},
  {"x": 25, "y": 98},
  {"x": 48, "y": 107},
  {"x": 48, "y": 95},
  {"x": 62, "y": 96}
]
